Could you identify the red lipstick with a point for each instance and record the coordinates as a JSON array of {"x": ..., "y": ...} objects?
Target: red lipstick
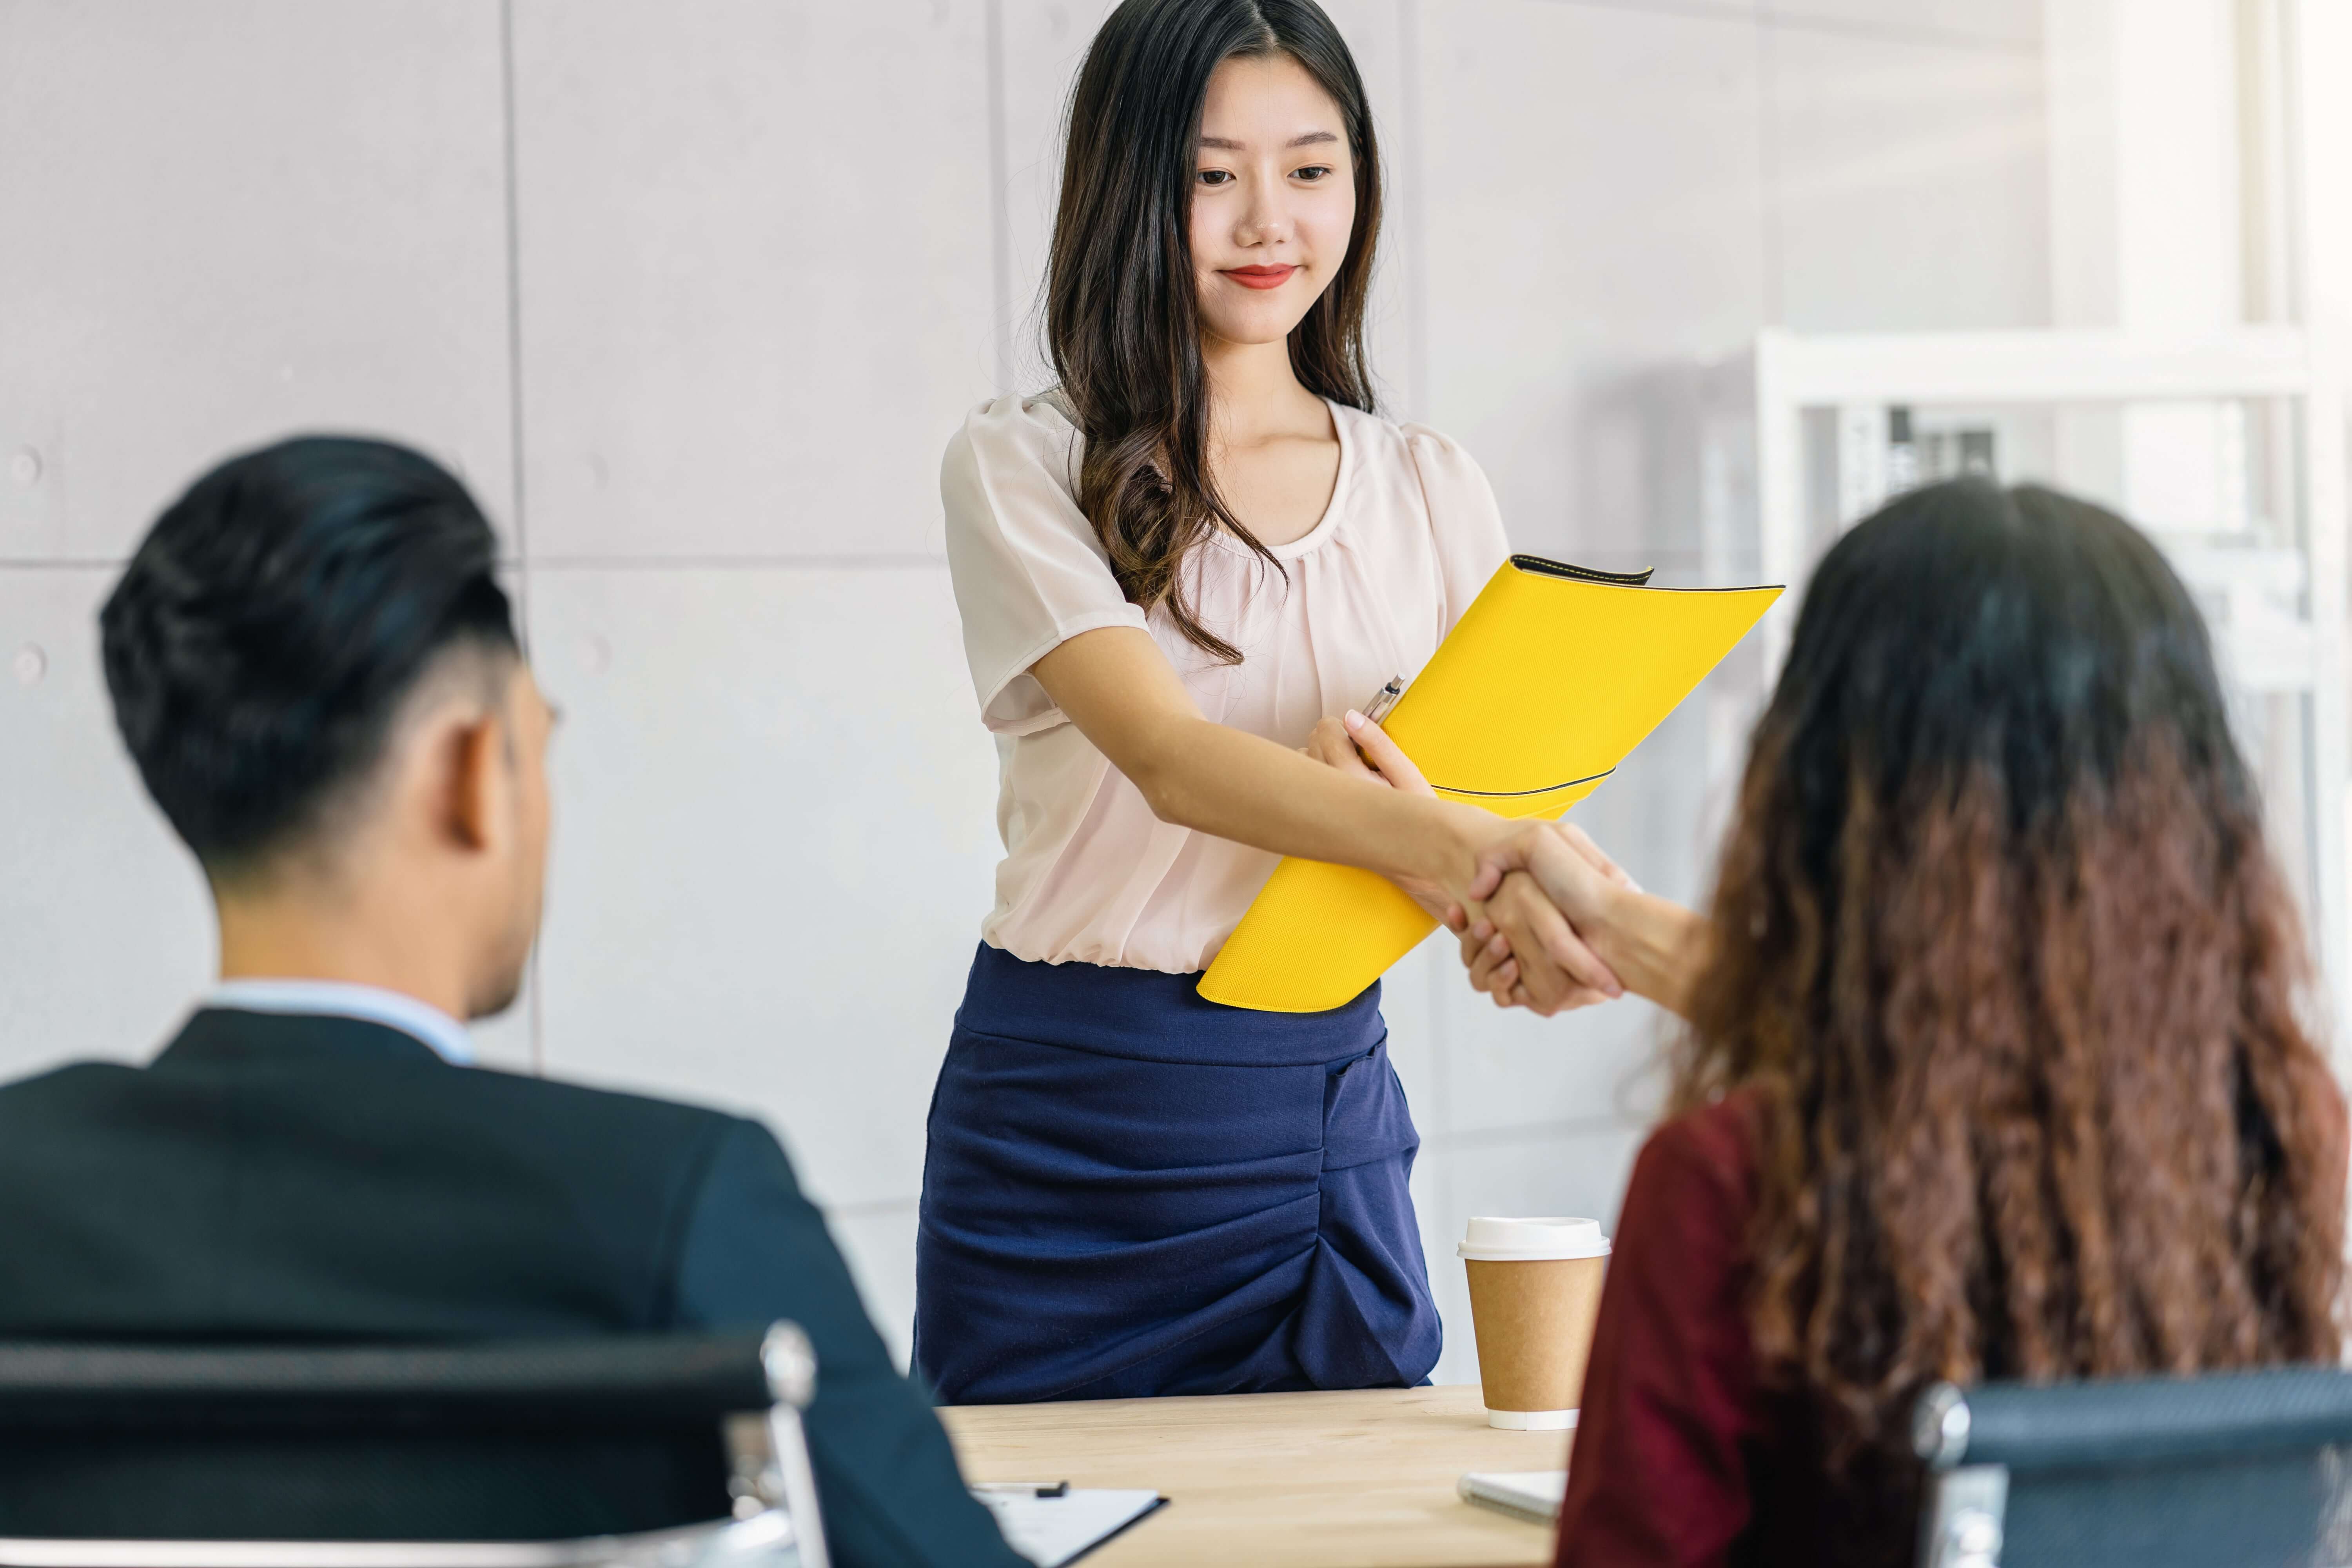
[{"x": 1260, "y": 276}]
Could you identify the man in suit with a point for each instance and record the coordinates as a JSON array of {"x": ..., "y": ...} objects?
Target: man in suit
[{"x": 317, "y": 673}]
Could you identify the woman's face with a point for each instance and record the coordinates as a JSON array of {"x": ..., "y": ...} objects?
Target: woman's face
[{"x": 1274, "y": 198}]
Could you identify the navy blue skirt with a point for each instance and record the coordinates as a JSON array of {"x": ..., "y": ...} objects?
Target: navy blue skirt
[{"x": 1132, "y": 1192}]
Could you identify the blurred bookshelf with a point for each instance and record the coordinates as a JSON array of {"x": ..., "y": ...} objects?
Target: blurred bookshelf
[{"x": 2228, "y": 449}]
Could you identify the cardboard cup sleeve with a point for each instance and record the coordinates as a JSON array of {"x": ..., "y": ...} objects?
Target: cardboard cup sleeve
[{"x": 1535, "y": 1293}]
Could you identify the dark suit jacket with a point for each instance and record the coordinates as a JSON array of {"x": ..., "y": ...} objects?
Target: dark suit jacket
[{"x": 273, "y": 1177}]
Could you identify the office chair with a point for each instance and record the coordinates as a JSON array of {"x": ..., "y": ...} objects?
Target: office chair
[
  {"x": 507, "y": 1455},
  {"x": 2249, "y": 1469}
]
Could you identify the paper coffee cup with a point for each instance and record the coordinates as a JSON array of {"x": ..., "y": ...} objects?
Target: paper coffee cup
[{"x": 1535, "y": 1292}]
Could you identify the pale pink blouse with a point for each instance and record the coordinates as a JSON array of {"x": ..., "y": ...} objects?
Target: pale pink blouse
[{"x": 1411, "y": 535}]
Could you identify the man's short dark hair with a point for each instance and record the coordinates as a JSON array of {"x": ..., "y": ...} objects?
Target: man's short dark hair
[{"x": 265, "y": 634}]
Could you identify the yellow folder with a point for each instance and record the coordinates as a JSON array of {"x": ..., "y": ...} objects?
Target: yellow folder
[{"x": 1553, "y": 675}]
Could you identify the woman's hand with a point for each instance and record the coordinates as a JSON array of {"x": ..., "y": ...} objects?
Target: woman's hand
[
  {"x": 1562, "y": 972},
  {"x": 1362, "y": 749},
  {"x": 1531, "y": 946},
  {"x": 1494, "y": 969},
  {"x": 1551, "y": 899}
]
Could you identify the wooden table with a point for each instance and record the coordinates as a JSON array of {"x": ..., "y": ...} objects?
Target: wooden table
[{"x": 1357, "y": 1479}]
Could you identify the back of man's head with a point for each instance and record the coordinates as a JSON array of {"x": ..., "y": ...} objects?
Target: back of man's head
[{"x": 274, "y": 636}]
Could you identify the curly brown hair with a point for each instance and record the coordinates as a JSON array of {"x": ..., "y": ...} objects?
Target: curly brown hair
[{"x": 2012, "y": 987}]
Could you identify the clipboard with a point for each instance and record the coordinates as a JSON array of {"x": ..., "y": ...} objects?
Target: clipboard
[{"x": 1055, "y": 1525}]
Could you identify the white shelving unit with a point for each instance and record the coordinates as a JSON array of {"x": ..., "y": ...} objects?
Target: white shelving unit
[{"x": 2277, "y": 604}]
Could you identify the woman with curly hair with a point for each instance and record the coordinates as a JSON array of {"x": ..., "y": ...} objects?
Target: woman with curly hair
[{"x": 1997, "y": 1063}]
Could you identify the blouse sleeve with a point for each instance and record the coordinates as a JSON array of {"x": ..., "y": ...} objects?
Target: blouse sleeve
[
  {"x": 1657, "y": 1476},
  {"x": 1029, "y": 572},
  {"x": 1461, "y": 510}
]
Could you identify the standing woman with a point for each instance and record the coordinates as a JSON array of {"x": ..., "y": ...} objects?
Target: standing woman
[{"x": 1175, "y": 571}]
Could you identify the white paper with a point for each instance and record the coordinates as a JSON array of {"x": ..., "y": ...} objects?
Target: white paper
[{"x": 1053, "y": 1530}]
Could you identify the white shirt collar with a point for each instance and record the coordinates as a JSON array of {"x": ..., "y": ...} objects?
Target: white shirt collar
[{"x": 341, "y": 999}]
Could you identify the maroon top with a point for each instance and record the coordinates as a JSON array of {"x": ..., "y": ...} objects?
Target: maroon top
[{"x": 1680, "y": 1459}]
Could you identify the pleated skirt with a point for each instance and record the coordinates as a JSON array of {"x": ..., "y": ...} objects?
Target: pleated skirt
[{"x": 1129, "y": 1191}]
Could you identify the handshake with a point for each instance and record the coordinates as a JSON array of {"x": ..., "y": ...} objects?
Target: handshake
[{"x": 1546, "y": 920}]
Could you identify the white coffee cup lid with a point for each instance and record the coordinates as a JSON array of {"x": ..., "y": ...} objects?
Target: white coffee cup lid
[{"x": 1491, "y": 1239}]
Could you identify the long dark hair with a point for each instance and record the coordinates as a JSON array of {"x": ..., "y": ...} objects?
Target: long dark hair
[
  {"x": 1122, "y": 311},
  {"x": 2013, "y": 987}
]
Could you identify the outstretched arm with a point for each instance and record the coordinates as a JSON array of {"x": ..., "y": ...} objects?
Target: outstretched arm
[{"x": 1116, "y": 685}]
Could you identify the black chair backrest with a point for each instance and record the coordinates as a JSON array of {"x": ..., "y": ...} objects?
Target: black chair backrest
[
  {"x": 2247, "y": 1469},
  {"x": 539, "y": 1440}
]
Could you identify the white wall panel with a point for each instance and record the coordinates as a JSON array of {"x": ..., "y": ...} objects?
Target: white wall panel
[
  {"x": 878, "y": 1241},
  {"x": 1593, "y": 199},
  {"x": 1562, "y": 276},
  {"x": 1912, "y": 186},
  {"x": 1576, "y": 1169},
  {"x": 755, "y": 248},
  {"x": 1508, "y": 1068},
  {"x": 1409, "y": 1005},
  {"x": 106, "y": 934},
  {"x": 1043, "y": 45},
  {"x": 774, "y": 846},
  {"x": 2004, "y": 21},
  {"x": 505, "y": 1041},
  {"x": 230, "y": 219},
  {"x": 1746, "y": 9}
]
